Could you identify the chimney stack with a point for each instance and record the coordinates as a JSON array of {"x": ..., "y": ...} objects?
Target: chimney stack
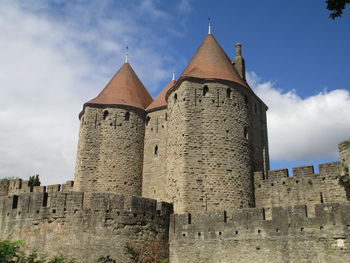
[{"x": 238, "y": 62}]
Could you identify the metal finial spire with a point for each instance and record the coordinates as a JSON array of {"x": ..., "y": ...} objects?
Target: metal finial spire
[
  {"x": 173, "y": 75},
  {"x": 126, "y": 54},
  {"x": 209, "y": 25}
]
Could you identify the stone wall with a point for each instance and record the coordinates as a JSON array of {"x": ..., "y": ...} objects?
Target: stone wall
[
  {"x": 344, "y": 152},
  {"x": 18, "y": 186},
  {"x": 64, "y": 223},
  {"x": 210, "y": 145},
  {"x": 245, "y": 235},
  {"x": 110, "y": 151},
  {"x": 154, "y": 178},
  {"x": 258, "y": 134},
  {"x": 305, "y": 187}
]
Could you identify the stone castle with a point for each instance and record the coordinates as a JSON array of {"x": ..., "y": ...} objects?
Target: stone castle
[{"x": 191, "y": 166}]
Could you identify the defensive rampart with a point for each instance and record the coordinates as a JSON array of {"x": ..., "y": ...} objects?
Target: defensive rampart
[
  {"x": 304, "y": 187},
  {"x": 59, "y": 222},
  {"x": 245, "y": 235}
]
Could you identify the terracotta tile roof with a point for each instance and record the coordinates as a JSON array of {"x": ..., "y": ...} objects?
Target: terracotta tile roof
[
  {"x": 124, "y": 88},
  {"x": 211, "y": 61},
  {"x": 160, "y": 100}
]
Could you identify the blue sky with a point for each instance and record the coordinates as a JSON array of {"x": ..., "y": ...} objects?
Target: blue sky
[{"x": 60, "y": 54}]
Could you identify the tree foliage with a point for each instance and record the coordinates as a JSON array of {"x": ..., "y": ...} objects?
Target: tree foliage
[
  {"x": 34, "y": 181},
  {"x": 337, "y": 6},
  {"x": 12, "y": 252},
  {"x": 151, "y": 252}
]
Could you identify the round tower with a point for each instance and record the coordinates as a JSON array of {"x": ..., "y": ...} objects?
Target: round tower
[
  {"x": 210, "y": 155},
  {"x": 111, "y": 138}
]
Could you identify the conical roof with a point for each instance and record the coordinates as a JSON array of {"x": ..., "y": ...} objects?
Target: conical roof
[
  {"x": 160, "y": 100},
  {"x": 124, "y": 88},
  {"x": 211, "y": 61}
]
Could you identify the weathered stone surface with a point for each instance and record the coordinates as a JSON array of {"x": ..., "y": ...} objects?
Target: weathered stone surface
[
  {"x": 154, "y": 179},
  {"x": 110, "y": 151},
  {"x": 213, "y": 146},
  {"x": 60, "y": 223},
  {"x": 246, "y": 236}
]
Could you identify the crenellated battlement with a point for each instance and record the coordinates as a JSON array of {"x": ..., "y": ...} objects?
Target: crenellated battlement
[
  {"x": 49, "y": 206},
  {"x": 326, "y": 170},
  {"x": 19, "y": 186},
  {"x": 304, "y": 187},
  {"x": 241, "y": 223}
]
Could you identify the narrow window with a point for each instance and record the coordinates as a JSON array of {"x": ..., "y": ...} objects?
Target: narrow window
[
  {"x": 306, "y": 212},
  {"x": 156, "y": 150},
  {"x": 166, "y": 116},
  {"x": 255, "y": 108},
  {"x": 228, "y": 93},
  {"x": 105, "y": 114},
  {"x": 46, "y": 195},
  {"x": 321, "y": 197},
  {"x": 175, "y": 98},
  {"x": 147, "y": 120},
  {"x": 127, "y": 116},
  {"x": 205, "y": 90},
  {"x": 15, "y": 202},
  {"x": 246, "y": 133},
  {"x": 246, "y": 100},
  {"x": 189, "y": 219}
]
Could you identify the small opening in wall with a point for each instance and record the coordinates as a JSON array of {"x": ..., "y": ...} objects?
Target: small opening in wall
[
  {"x": 220, "y": 233},
  {"x": 302, "y": 229},
  {"x": 272, "y": 184},
  {"x": 259, "y": 185},
  {"x": 236, "y": 232},
  {"x": 105, "y": 114},
  {"x": 189, "y": 219},
  {"x": 321, "y": 197},
  {"x": 229, "y": 93},
  {"x": 147, "y": 120},
  {"x": 277, "y": 230},
  {"x": 183, "y": 234},
  {"x": 284, "y": 183},
  {"x": 127, "y": 116},
  {"x": 175, "y": 98},
  {"x": 246, "y": 100},
  {"x": 14, "y": 201},
  {"x": 205, "y": 90},
  {"x": 246, "y": 135},
  {"x": 321, "y": 227},
  {"x": 166, "y": 116},
  {"x": 37, "y": 211},
  {"x": 199, "y": 234},
  {"x": 54, "y": 211},
  {"x": 259, "y": 231},
  {"x": 255, "y": 108},
  {"x": 156, "y": 150}
]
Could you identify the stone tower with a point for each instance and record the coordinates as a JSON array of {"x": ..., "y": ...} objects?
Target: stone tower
[
  {"x": 216, "y": 134},
  {"x": 111, "y": 138},
  {"x": 154, "y": 166}
]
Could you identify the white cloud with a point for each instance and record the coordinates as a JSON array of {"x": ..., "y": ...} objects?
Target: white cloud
[
  {"x": 55, "y": 56},
  {"x": 304, "y": 128}
]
